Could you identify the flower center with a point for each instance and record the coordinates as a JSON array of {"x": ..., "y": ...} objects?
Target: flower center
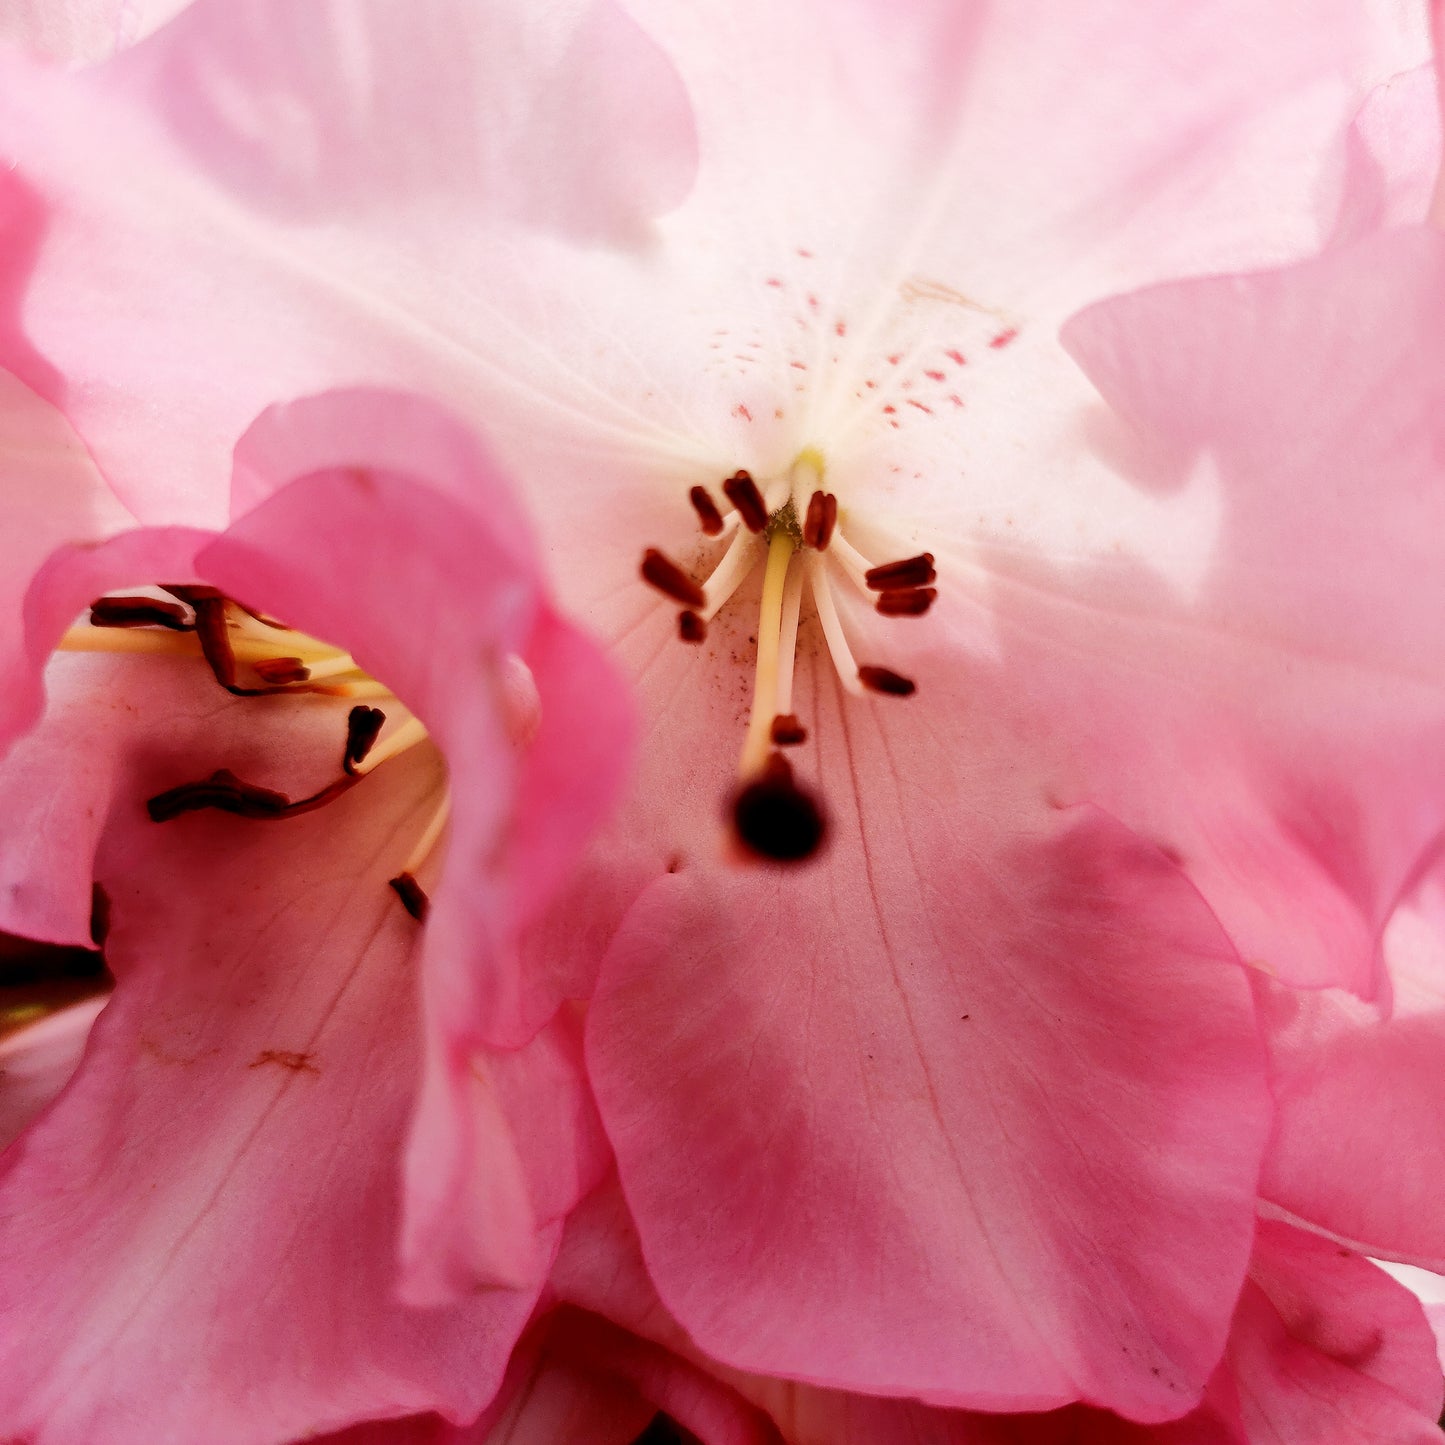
[
  {"x": 792, "y": 526},
  {"x": 254, "y": 656}
]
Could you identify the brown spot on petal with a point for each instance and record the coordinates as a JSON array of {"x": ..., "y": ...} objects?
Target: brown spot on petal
[{"x": 287, "y": 1059}]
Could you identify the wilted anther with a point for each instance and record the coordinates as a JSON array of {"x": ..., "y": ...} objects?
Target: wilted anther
[
  {"x": 773, "y": 815},
  {"x": 229, "y": 637}
]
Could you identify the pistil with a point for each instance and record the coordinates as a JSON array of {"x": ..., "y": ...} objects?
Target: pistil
[{"x": 770, "y": 631}]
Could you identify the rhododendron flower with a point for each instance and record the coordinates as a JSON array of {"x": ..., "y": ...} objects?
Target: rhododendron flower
[
  {"x": 970, "y": 1105},
  {"x": 202, "y": 1233}
]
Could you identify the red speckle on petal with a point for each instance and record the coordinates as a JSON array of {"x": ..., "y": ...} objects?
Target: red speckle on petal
[
  {"x": 895, "y": 358},
  {"x": 806, "y": 255},
  {"x": 920, "y": 406},
  {"x": 1003, "y": 338},
  {"x": 799, "y": 365},
  {"x": 775, "y": 281},
  {"x": 934, "y": 375},
  {"x": 742, "y": 411},
  {"x": 889, "y": 409},
  {"x": 955, "y": 399},
  {"x": 840, "y": 328},
  {"x": 871, "y": 385},
  {"x": 955, "y": 356}
]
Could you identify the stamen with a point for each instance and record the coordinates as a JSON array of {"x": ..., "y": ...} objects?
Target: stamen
[
  {"x": 910, "y": 572},
  {"x": 691, "y": 627},
  {"x": 770, "y": 626},
  {"x": 821, "y": 519},
  {"x": 411, "y": 733},
  {"x": 838, "y": 647},
  {"x": 227, "y": 793},
  {"x": 788, "y": 731},
  {"x": 279, "y": 670},
  {"x": 139, "y": 612},
  {"x": 881, "y": 679},
  {"x": 707, "y": 513},
  {"x": 209, "y": 605},
  {"x": 906, "y": 601},
  {"x": 788, "y": 637},
  {"x": 413, "y": 899},
  {"x": 728, "y": 575},
  {"x": 670, "y": 579},
  {"x": 363, "y": 724},
  {"x": 742, "y": 491},
  {"x": 774, "y": 818}
]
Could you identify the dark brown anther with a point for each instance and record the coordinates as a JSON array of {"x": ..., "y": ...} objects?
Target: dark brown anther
[
  {"x": 278, "y": 671},
  {"x": 910, "y": 572},
  {"x": 691, "y": 627},
  {"x": 742, "y": 491},
  {"x": 413, "y": 896},
  {"x": 227, "y": 793},
  {"x": 775, "y": 819},
  {"x": 139, "y": 612},
  {"x": 787, "y": 731},
  {"x": 213, "y": 633},
  {"x": 362, "y": 726},
  {"x": 670, "y": 579},
  {"x": 880, "y": 679},
  {"x": 906, "y": 601},
  {"x": 821, "y": 519},
  {"x": 706, "y": 509}
]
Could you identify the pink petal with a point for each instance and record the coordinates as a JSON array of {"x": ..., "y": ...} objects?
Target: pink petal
[
  {"x": 1303, "y": 701},
  {"x": 1327, "y": 1348},
  {"x": 292, "y": 148},
  {"x": 1042, "y": 1071}
]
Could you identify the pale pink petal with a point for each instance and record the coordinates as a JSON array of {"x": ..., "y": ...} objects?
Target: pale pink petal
[
  {"x": 1392, "y": 157},
  {"x": 79, "y": 31},
  {"x": 1302, "y": 702},
  {"x": 53, "y": 496},
  {"x": 36, "y": 1062},
  {"x": 986, "y": 1136},
  {"x": 1357, "y": 1145},
  {"x": 58, "y": 780},
  {"x": 291, "y": 146},
  {"x": 434, "y": 599}
]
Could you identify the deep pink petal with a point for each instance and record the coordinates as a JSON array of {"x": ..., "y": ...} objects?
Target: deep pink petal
[
  {"x": 1040, "y": 1068},
  {"x": 1303, "y": 698},
  {"x": 372, "y": 551},
  {"x": 291, "y": 146}
]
